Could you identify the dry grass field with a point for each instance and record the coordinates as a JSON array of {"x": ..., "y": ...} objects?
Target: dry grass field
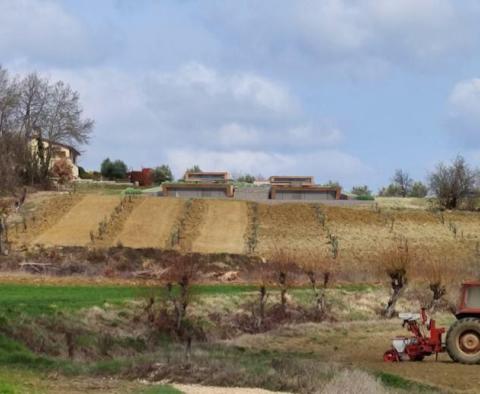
[
  {"x": 216, "y": 226},
  {"x": 75, "y": 226},
  {"x": 294, "y": 225},
  {"x": 150, "y": 223},
  {"x": 223, "y": 228}
]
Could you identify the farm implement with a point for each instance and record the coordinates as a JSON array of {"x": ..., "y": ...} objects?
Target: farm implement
[{"x": 462, "y": 341}]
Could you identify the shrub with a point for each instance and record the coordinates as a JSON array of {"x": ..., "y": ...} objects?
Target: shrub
[
  {"x": 130, "y": 191},
  {"x": 62, "y": 170},
  {"x": 361, "y": 190},
  {"x": 354, "y": 382},
  {"x": 365, "y": 198}
]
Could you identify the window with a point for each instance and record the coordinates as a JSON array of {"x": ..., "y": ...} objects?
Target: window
[{"x": 472, "y": 298}]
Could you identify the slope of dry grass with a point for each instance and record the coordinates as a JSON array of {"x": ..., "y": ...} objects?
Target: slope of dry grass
[
  {"x": 223, "y": 228},
  {"x": 211, "y": 226},
  {"x": 150, "y": 223},
  {"x": 75, "y": 226}
]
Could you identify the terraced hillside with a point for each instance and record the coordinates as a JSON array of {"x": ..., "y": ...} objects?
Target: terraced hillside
[{"x": 215, "y": 226}]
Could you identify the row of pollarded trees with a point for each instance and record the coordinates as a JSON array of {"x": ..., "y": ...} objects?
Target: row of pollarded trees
[
  {"x": 400, "y": 263},
  {"x": 286, "y": 268},
  {"x": 34, "y": 108},
  {"x": 404, "y": 263}
]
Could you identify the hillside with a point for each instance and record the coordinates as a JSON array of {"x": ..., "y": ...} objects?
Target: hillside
[{"x": 217, "y": 226}]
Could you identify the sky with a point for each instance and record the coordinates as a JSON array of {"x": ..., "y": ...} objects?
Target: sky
[{"x": 340, "y": 89}]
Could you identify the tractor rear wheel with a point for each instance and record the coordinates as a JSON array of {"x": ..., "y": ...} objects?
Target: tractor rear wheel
[{"x": 463, "y": 341}]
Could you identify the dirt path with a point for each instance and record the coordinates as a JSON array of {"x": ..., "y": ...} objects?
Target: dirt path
[
  {"x": 73, "y": 229},
  {"x": 223, "y": 228},
  {"x": 195, "y": 389},
  {"x": 150, "y": 223}
]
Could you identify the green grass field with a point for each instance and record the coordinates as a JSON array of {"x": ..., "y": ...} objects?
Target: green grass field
[{"x": 47, "y": 299}]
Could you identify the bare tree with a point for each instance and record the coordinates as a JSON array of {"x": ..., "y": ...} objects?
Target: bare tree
[
  {"x": 284, "y": 264},
  {"x": 396, "y": 261},
  {"x": 453, "y": 183},
  {"x": 181, "y": 274},
  {"x": 33, "y": 109},
  {"x": 319, "y": 270},
  {"x": 403, "y": 181}
]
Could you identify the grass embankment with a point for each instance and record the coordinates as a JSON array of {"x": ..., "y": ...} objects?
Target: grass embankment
[{"x": 22, "y": 371}]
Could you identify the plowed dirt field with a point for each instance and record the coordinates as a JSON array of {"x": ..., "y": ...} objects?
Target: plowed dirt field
[
  {"x": 73, "y": 229},
  {"x": 223, "y": 228},
  {"x": 150, "y": 224}
]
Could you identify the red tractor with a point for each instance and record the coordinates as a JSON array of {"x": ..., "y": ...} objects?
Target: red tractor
[{"x": 463, "y": 338}]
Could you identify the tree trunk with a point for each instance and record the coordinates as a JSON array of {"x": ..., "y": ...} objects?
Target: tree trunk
[
  {"x": 392, "y": 302},
  {"x": 261, "y": 307},
  {"x": 438, "y": 291}
]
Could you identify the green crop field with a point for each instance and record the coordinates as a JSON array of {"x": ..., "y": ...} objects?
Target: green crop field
[{"x": 46, "y": 299}]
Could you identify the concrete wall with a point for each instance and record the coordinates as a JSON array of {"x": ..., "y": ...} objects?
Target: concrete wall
[
  {"x": 257, "y": 193},
  {"x": 305, "y": 195},
  {"x": 197, "y": 193}
]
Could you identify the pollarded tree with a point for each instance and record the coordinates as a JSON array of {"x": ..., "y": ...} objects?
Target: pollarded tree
[
  {"x": 396, "y": 261},
  {"x": 453, "y": 183},
  {"x": 283, "y": 262},
  {"x": 319, "y": 268}
]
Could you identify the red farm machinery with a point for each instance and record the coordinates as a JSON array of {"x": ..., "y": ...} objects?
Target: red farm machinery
[{"x": 462, "y": 341}]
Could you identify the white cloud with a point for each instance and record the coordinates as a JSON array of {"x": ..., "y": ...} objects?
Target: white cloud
[
  {"x": 247, "y": 87},
  {"x": 44, "y": 32},
  {"x": 235, "y": 135},
  {"x": 197, "y": 114},
  {"x": 464, "y": 111},
  {"x": 324, "y": 164},
  {"x": 354, "y": 36}
]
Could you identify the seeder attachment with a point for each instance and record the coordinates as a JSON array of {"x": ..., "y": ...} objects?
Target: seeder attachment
[{"x": 425, "y": 341}]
